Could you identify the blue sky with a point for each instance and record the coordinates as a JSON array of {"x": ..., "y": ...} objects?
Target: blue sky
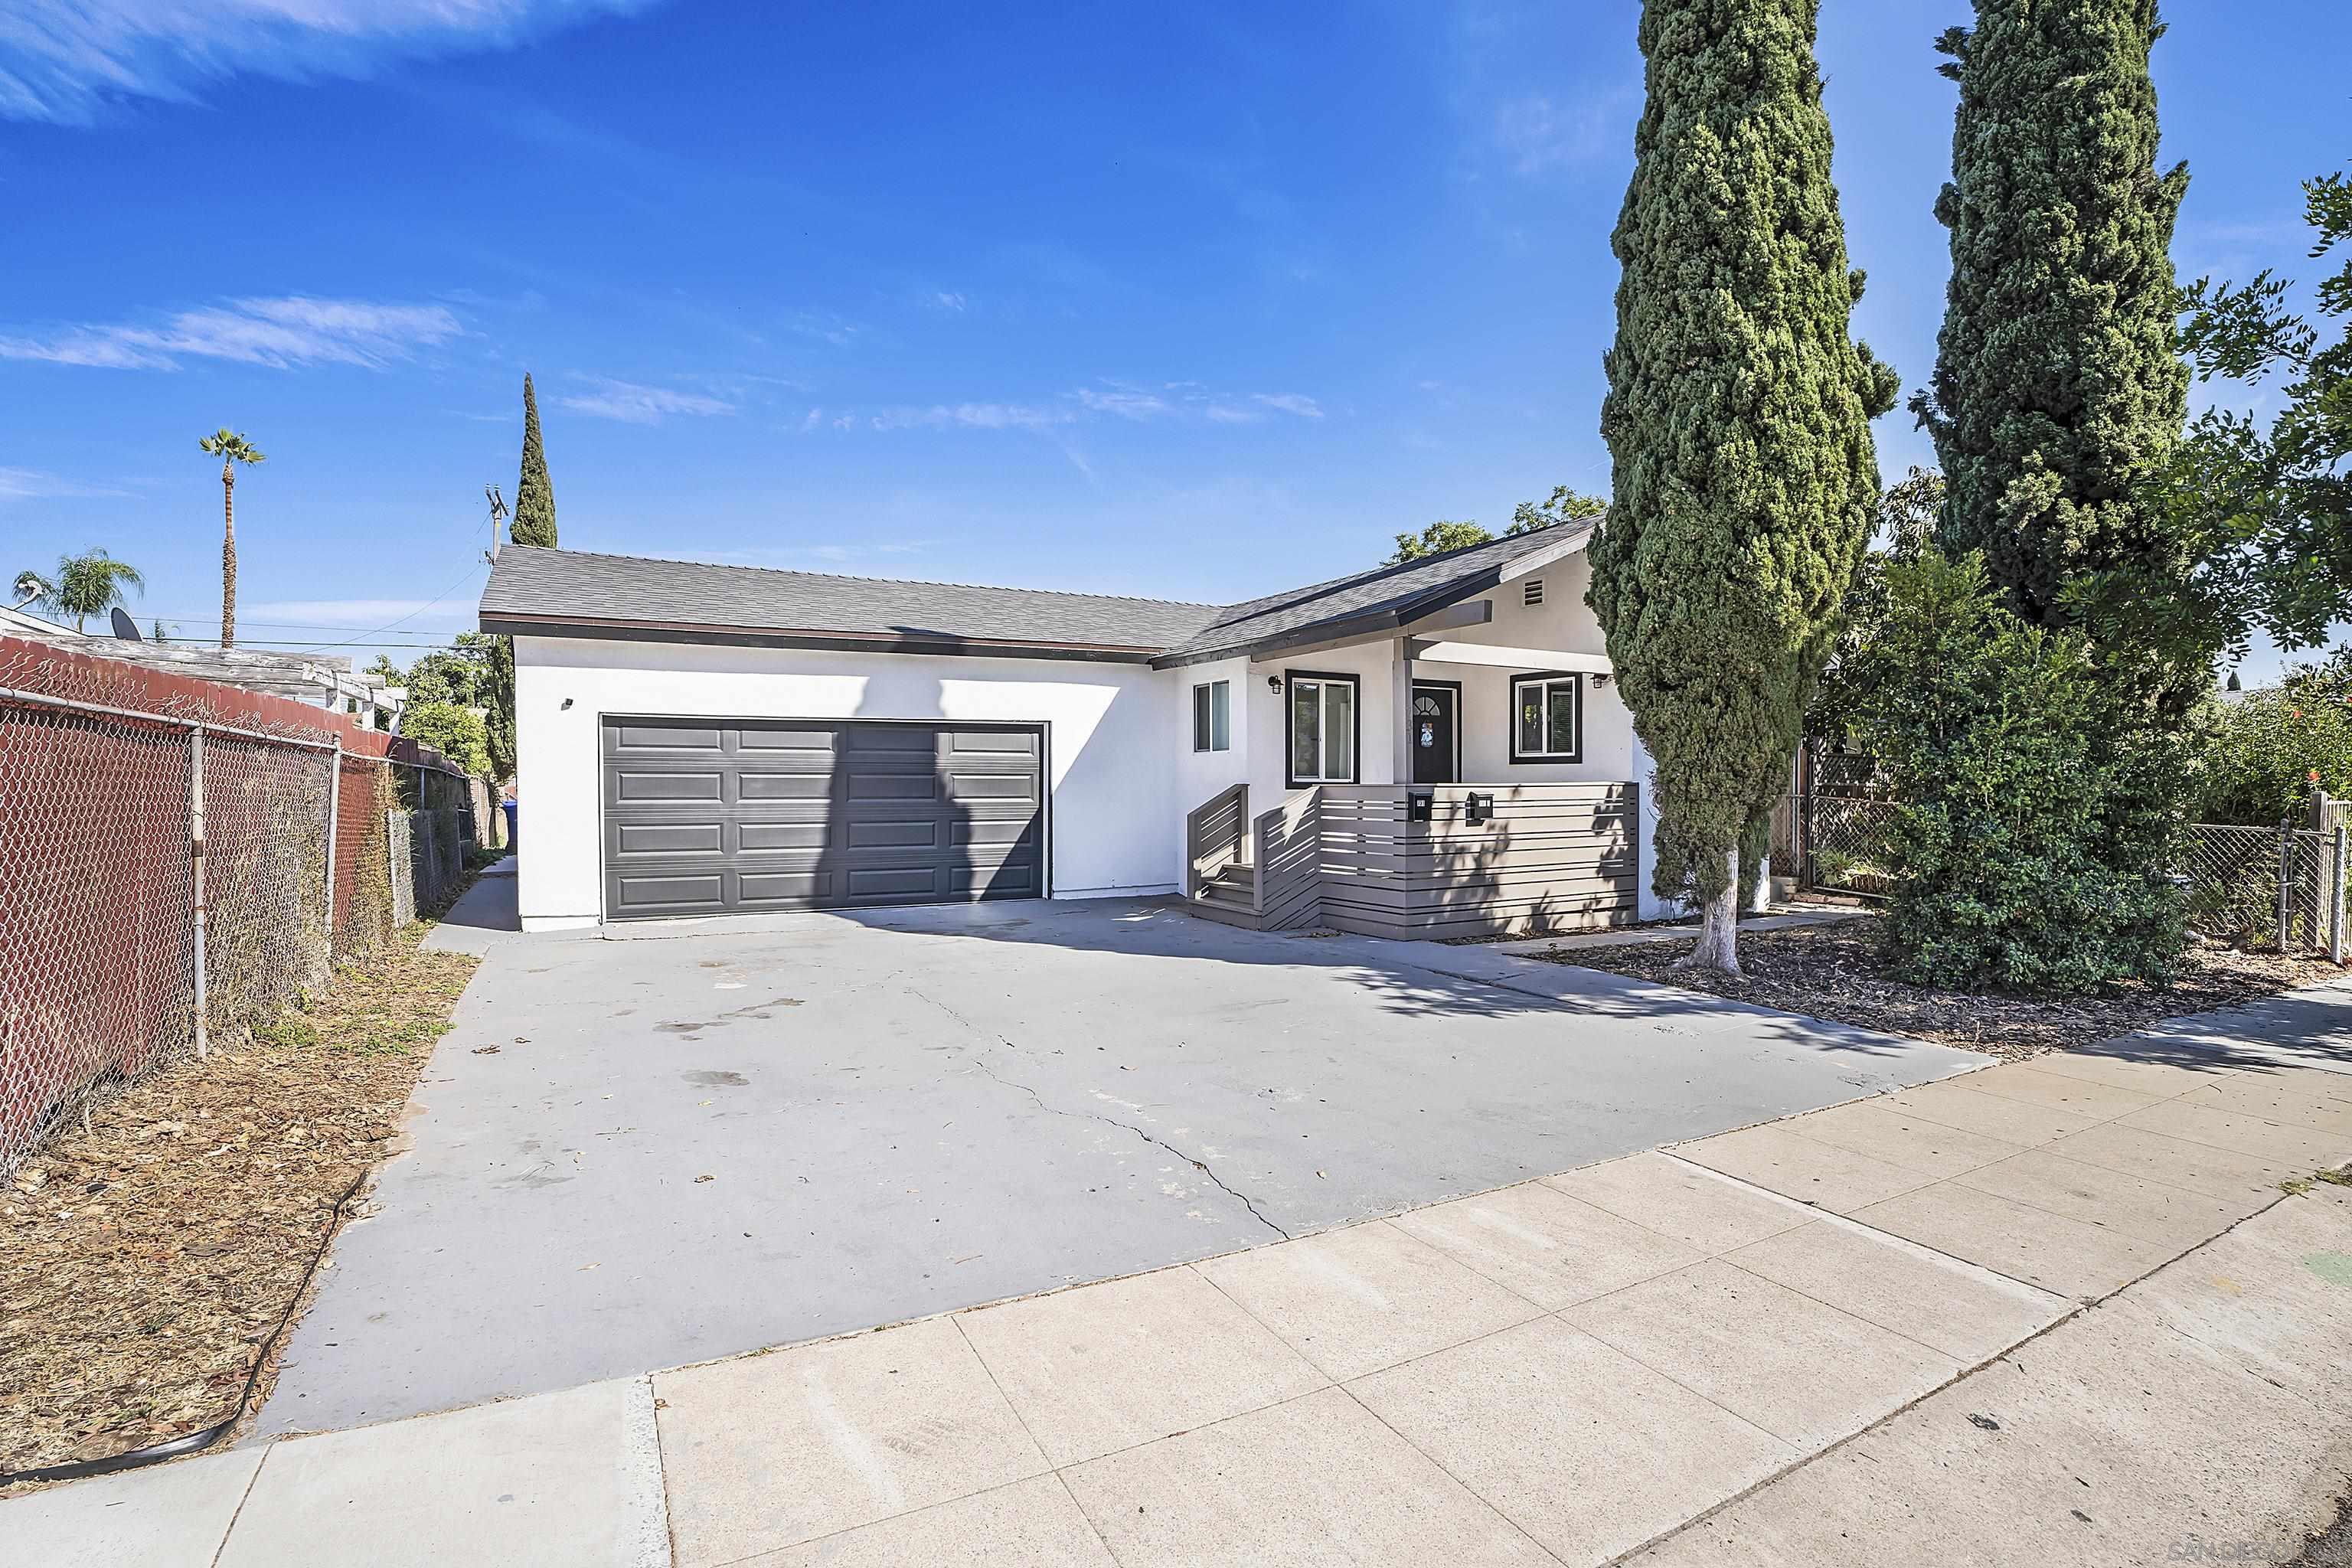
[{"x": 1191, "y": 301}]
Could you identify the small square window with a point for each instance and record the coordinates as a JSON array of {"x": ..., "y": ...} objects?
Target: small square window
[
  {"x": 1212, "y": 716},
  {"x": 1548, "y": 719}
]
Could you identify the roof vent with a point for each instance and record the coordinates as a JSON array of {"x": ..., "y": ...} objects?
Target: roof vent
[{"x": 1532, "y": 595}]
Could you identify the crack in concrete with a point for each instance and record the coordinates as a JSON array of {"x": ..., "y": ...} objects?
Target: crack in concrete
[{"x": 1238, "y": 1196}]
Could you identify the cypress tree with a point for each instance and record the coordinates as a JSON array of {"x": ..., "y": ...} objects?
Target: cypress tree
[
  {"x": 2059, "y": 387},
  {"x": 499, "y": 722},
  {"x": 1738, "y": 419},
  {"x": 534, "y": 508}
]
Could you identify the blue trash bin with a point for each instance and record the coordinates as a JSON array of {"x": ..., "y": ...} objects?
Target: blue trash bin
[{"x": 508, "y": 807}]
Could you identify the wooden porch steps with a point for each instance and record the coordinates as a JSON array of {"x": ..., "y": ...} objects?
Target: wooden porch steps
[{"x": 1229, "y": 896}]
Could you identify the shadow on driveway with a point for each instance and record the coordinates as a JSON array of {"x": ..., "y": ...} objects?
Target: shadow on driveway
[{"x": 666, "y": 1144}]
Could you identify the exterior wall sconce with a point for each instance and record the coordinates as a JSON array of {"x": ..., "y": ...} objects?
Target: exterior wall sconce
[
  {"x": 567, "y": 706},
  {"x": 1273, "y": 683},
  {"x": 1602, "y": 677}
]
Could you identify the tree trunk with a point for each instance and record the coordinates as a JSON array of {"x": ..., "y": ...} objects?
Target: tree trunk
[
  {"x": 228, "y": 555},
  {"x": 1719, "y": 931}
]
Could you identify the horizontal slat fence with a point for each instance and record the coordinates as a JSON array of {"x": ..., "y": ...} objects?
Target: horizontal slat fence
[{"x": 1550, "y": 857}]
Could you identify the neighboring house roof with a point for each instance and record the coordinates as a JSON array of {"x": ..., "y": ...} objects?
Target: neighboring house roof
[
  {"x": 569, "y": 592},
  {"x": 320, "y": 679}
]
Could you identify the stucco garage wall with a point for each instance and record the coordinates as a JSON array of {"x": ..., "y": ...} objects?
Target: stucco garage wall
[{"x": 1116, "y": 825}]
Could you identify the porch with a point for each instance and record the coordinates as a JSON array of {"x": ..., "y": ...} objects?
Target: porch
[{"x": 1419, "y": 861}]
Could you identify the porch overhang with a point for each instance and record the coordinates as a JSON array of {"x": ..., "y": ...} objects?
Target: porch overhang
[{"x": 1424, "y": 651}]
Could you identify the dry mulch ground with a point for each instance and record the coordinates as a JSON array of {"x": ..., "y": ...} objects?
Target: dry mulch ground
[
  {"x": 1835, "y": 973},
  {"x": 145, "y": 1265}
]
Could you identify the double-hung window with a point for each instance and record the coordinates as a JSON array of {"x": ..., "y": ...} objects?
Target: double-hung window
[
  {"x": 1548, "y": 719},
  {"x": 1322, "y": 729},
  {"x": 1212, "y": 716}
]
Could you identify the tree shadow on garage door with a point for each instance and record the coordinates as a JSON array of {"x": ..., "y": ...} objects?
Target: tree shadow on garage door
[{"x": 924, "y": 811}]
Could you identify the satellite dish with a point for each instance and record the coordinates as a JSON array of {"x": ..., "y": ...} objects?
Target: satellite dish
[{"x": 125, "y": 627}]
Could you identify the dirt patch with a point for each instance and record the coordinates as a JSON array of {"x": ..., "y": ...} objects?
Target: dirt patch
[
  {"x": 1836, "y": 972},
  {"x": 145, "y": 1264}
]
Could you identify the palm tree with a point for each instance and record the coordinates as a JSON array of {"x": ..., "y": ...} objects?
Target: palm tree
[
  {"x": 87, "y": 585},
  {"x": 232, "y": 448}
]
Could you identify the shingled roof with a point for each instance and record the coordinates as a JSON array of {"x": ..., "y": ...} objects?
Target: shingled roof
[
  {"x": 1380, "y": 599},
  {"x": 542, "y": 590},
  {"x": 569, "y": 592}
]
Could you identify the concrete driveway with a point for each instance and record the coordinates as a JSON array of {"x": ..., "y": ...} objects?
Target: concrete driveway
[{"x": 634, "y": 1154}]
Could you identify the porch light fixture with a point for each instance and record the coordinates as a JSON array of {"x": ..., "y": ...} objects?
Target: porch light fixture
[
  {"x": 1600, "y": 677},
  {"x": 1274, "y": 684}
]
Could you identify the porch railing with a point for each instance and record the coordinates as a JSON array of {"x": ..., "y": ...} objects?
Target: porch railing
[
  {"x": 1488, "y": 858},
  {"x": 1216, "y": 835}
]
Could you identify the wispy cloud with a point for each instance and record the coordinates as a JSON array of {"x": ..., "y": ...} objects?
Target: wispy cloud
[
  {"x": 947, "y": 300},
  {"x": 975, "y": 416},
  {"x": 633, "y": 404},
  {"x": 1177, "y": 400},
  {"x": 823, "y": 325},
  {"x": 280, "y": 334},
  {"x": 33, "y": 484},
  {"x": 69, "y": 60},
  {"x": 1127, "y": 402},
  {"x": 1539, "y": 135},
  {"x": 1291, "y": 403}
]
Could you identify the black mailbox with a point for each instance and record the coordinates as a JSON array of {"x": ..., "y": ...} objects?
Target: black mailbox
[
  {"x": 1478, "y": 808},
  {"x": 1420, "y": 805}
]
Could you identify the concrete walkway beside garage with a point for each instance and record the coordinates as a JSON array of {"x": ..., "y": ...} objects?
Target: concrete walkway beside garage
[
  {"x": 1648, "y": 1359},
  {"x": 676, "y": 1142}
]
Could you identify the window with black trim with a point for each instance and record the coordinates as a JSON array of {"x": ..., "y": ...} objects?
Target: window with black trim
[
  {"x": 1323, "y": 726},
  {"x": 1548, "y": 719},
  {"x": 1212, "y": 716}
]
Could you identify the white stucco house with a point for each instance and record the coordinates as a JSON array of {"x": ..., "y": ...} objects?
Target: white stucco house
[{"x": 1434, "y": 748}]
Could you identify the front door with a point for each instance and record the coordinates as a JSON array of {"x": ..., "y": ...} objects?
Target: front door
[{"x": 1436, "y": 738}]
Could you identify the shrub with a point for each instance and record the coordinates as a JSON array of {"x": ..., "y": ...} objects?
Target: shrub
[
  {"x": 2032, "y": 829},
  {"x": 458, "y": 734}
]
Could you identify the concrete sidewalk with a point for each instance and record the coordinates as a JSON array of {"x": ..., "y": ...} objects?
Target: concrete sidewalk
[{"x": 2063, "y": 1313}]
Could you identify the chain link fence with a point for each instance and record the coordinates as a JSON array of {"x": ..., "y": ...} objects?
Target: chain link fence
[
  {"x": 174, "y": 875},
  {"x": 2279, "y": 886}
]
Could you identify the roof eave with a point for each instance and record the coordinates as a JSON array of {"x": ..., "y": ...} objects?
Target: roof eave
[
  {"x": 1363, "y": 626},
  {"x": 517, "y": 622}
]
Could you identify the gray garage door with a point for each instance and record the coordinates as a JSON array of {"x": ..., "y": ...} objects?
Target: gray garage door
[{"x": 708, "y": 816}]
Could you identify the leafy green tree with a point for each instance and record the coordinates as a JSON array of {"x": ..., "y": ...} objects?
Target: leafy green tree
[
  {"x": 232, "y": 448},
  {"x": 459, "y": 674},
  {"x": 2059, "y": 387},
  {"x": 534, "y": 507},
  {"x": 87, "y": 585},
  {"x": 1564, "y": 505},
  {"x": 458, "y": 734},
  {"x": 2002, "y": 744},
  {"x": 1907, "y": 515},
  {"x": 2266, "y": 512},
  {"x": 1739, "y": 419},
  {"x": 2263, "y": 755},
  {"x": 1437, "y": 538}
]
